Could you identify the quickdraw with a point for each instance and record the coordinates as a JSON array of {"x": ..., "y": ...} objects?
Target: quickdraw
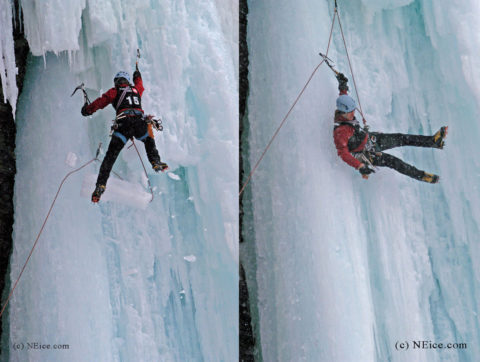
[{"x": 156, "y": 123}]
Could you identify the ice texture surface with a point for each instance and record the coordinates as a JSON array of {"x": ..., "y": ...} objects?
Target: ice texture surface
[
  {"x": 110, "y": 280},
  {"x": 8, "y": 68},
  {"x": 340, "y": 268}
]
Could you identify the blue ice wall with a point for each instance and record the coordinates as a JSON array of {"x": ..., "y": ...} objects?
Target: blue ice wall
[
  {"x": 111, "y": 281},
  {"x": 341, "y": 268}
]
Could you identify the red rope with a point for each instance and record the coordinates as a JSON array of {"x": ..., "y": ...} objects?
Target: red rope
[
  {"x": 40, "y": 232},
  {"x": 289, "y": 111},
  {"x": 48, "y": 215}
]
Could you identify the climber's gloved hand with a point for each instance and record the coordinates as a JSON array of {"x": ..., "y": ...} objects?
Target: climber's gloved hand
[
  {"x": 342, "y": 82},
  {"x": 84, "y": 111},
  {"x": 136, "y": 74},
  {"x": 341, "y": 78},
  {"x": 365, "y": 171}
]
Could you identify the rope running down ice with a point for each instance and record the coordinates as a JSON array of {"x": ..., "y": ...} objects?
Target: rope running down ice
[
  {"x": 291, "y": 108},
  {"x": 43, "y": 226},
  {"x": 351, "y": 69}
]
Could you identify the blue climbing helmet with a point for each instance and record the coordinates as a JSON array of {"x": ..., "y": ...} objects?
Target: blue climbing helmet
[
  {"x": 346, "y": 104},
  {"x": 121, "y": 75}
]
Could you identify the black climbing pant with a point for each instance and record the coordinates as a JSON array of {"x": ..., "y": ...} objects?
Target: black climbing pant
[
  {"x": 385, "y": 141},
  {"x": 130, "y": 127}
]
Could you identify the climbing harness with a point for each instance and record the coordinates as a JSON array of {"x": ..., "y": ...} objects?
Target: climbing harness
[
  {"x": 367, "y": 158},
  {"x": 326, "y": 60},
  {"x": 369, "y": 151},
  {"x": 117, "y": 122},
  {"x": 149, "y": 119}
]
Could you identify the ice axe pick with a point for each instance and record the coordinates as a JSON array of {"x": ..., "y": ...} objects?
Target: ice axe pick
[{"x": 85, "y": 95}]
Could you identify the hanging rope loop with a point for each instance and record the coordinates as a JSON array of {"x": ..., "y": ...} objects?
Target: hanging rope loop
[
  {"x": 43, "y": 226},
  {"x": 50, "y": 211}
]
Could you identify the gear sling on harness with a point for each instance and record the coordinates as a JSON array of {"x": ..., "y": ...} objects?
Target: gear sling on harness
[
  {"x": 368, "y": 153},
  {"x": 128, "y": 119},
  {"x": 128, "y": 124}
]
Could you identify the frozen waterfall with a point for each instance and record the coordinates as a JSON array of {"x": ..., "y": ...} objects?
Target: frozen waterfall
[
  {"x": 113, "y": 282},
  {"x": 343, "y": 269}
]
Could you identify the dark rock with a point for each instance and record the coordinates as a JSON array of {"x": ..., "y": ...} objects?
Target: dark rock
[
  {"x": 246, "y": 335},
  {"x": 7, "y": 157}
]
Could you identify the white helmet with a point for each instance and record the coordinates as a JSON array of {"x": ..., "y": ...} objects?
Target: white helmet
[
  {"x": 346, "y": 103},
  {"x": 121, "y": 75}
]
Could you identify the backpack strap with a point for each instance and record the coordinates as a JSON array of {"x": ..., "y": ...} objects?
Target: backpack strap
[
  {"x": 122, "y": 97},
  {"x": 354, "y": 126},
  {"x": 358, "y": 135}
]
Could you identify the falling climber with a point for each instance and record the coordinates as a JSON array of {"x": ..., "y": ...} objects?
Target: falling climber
[
  {"x": 129, "y": 122},
  {"x": 363, "y": 150}
]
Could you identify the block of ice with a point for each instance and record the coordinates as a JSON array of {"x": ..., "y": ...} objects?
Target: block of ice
[
  {"x": 121, "y": 191},
  {"x": 360, "y": 264},
  {"x": 71, "y": 159},
  {"x": 82, "y": 275}
]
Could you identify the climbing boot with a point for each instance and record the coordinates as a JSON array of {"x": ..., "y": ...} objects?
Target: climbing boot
[
  {"x": 99, "y": 190},
  {"x": 430, "y": 178},
  {"x": 439, "y": 137},
  {"x": 159, "y": 166}
]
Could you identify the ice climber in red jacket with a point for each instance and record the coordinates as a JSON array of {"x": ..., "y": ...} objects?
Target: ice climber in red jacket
[
  {"x": 363, "y": 150},
  {"x": 130, "y": 122}
]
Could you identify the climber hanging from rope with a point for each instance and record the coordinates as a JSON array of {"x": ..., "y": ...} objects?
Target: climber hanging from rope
[
  {"x": 348, "y": 133},
  {"x": 129, "y": 122},
  {"x": 363, "y": 150}
]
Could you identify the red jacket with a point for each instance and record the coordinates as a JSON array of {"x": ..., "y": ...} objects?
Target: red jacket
[
  {"x": 342, "y": 134},
  {"x": 109, "y": 97}
]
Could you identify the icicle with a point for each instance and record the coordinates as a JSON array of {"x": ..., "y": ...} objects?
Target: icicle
[{"x": 8, "y": 68}]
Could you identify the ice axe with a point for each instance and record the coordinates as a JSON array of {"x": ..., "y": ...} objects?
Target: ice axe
[
  {"x": 328, "y": 60},
  {"x": 138, "y": 57},
  {"x": 98, "y": 150},
  {"x": 85, "y": 95}
]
